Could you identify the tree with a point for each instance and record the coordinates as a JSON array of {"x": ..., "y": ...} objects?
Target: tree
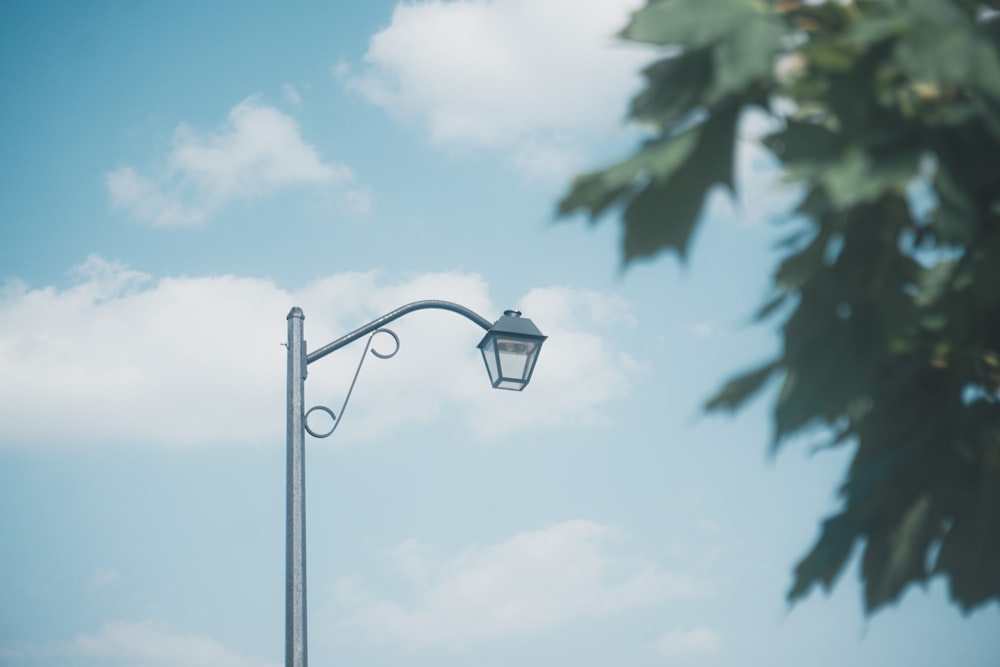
[{"x": 889, "y": 289}]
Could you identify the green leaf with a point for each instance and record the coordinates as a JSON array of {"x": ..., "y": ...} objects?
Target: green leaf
[
  {"x": 831, "y": 55},
  {"x": 934, "y": 282},
  {"x": 946, "y": 48},
  {"x": 826, "y": 560},
  {"x": 662, "y": 216},
  {"x": 770, "y": 307},
  {"x": 880, "y": 28},
  {"x": 675, "y": 87},
  {"x": 986, "y": 67},
  {"x": 970, "y": 550},
  {"x": 745, "y": 57},
  {"x": 688, "y": 23},
  {"x": 657, "y": 160},
  {"x": 986, "y": 282},
  {"x": 805, "y": 142},
  {"x": 896, "y": 553},
  {"x": 737, "y": 390},
  {"x": 859, "y": 176},
  {"x": 800, "y": 267},
  {"x": 955, "y": 219}
]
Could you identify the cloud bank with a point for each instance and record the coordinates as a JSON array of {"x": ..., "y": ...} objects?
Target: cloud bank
[
  {"x": 536, "y": 78},
  {"x": 526, "y": 584},
  {"x": 119, "y": 358},
  {"x": 121, "y": 643},
  {"x": 154, "y": 644},
  {"x": 681, "y": 646}
]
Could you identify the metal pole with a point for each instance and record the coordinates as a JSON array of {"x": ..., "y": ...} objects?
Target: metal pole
[{"x": 295, "y": 517}]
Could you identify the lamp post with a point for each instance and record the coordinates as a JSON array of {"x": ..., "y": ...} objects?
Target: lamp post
[{"x": 510, "y": 350}]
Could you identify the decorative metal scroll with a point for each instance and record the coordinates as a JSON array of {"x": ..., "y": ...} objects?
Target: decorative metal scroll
[{"x": 350, "y": 390}]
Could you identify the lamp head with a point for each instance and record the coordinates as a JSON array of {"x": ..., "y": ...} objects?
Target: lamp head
[{"x": 510, "y": 350}]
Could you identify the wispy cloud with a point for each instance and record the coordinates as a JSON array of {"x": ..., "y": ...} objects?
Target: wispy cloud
[
  {"x": 147, "y": 643},
  {"x": 150, "y": 201},
  {"x": 103, "y": 579},
  {"x": 258, "y": 151},
  {"x": 537, "y": 77},
  {"x": 155, "y": 644},
  {"x": 195, "y": 360},
  {"x": 292, "y": 94},
  {"x": 684, "y": 645},
  {"x": 700, "y": 330},
  {"x": 526, "y": 584}
]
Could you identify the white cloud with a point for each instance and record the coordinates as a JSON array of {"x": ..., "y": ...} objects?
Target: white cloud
[
  {"x": 10, "y": 653},
  {"x": 541, "y": 77},
  {"x": 154, "y": 644},
  {"x": 103, "y": 579},
  {"x": 259, "y": 151},
  {"x": 686, "y": 644},
  {"x": 119, "y": 358},
  {"x": 292, "y": 94},
  {"x": 526, "y": 584},
  {"x": 147, "y": 201},
  {"x": 700, "y": 330}
]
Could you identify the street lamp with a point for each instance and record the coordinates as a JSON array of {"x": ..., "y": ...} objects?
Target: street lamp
[{"x": 510, "y": 350}]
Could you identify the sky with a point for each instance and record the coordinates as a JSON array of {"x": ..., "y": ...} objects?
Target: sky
[{"x": 175, "y": 177}]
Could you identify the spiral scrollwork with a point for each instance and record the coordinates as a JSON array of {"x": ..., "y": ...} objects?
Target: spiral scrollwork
[{"x": 364, "y": 355}]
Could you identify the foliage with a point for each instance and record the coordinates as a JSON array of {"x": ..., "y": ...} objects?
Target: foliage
[{"x": 890, "y": 123}]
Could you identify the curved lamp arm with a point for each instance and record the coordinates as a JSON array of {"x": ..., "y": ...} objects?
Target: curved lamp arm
[{"x": 347, "y": 339}]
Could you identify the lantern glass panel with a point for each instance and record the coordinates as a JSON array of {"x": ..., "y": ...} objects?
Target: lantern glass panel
[
  {"x": 490, "y": 356},
  {"x": 516, "y": 358}
]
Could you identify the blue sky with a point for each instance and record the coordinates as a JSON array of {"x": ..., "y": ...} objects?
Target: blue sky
[{"x": 176, "y": 176}]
